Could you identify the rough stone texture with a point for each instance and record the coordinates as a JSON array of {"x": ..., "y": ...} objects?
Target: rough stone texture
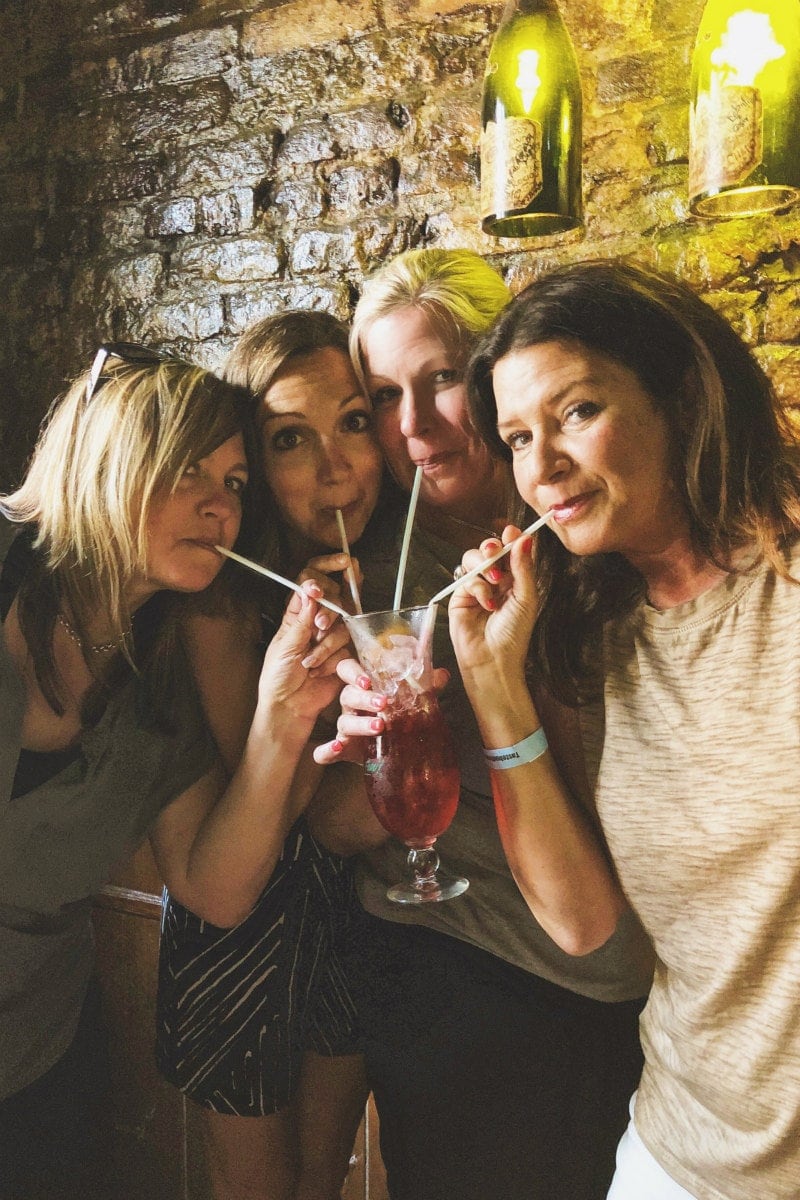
[{"x": 171, "y": 170}]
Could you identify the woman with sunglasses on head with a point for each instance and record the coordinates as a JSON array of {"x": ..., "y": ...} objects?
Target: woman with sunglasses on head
[
  {"x": 501, "y": 1065},
  {"x": 255, "y": 1023},
  {"x": 139, "y": 472},
  {"x": 662, "y": 604}
]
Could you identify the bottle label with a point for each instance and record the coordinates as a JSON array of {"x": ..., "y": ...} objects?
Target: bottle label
[
  {"x": 511, "y": 165},
  {"x": 726, "y": 139}
]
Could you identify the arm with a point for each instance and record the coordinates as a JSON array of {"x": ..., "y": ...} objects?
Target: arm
[
  {"x": 217, "y": 846},
  {"x": 553, "y": 852}
]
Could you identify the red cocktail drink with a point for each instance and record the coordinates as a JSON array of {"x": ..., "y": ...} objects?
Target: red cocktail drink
[
  {"x": 412, "y": 775},
  {"x": 411, "y": 769}
]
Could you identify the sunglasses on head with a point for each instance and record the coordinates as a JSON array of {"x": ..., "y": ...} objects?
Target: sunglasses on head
[{"x": 129, "y": 352}]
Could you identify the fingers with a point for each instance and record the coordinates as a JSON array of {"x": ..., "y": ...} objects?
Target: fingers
[{"x": 492, "y": 585}]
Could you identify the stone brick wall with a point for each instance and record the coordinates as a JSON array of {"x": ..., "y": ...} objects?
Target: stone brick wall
[{"x": 171, "y": 170}]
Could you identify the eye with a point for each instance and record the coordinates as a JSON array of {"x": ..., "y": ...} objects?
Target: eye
[
  {"x": 518, "y": 440},
  {"x": 384, "y": 395},
  {"x": 357, "y": 421},
  {"x": 236, "y": 484},
  {"x": 447, "y": 376},
  {"x": 582, "y": 411},
  {"x": 286, "y": 439}
]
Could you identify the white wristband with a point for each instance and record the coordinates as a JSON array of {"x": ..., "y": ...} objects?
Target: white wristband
[{"x": 526, "y": 751}]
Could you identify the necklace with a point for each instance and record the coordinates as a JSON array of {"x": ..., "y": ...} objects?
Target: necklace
[{"x": 100, "y": 647}]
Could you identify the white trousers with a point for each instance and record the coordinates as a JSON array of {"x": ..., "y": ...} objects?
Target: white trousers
[{"x": 638, "y": 1176}]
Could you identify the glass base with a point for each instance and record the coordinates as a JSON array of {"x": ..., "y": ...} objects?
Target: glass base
[
  {"x": 426, "y": 891},
  {"x": 427, "y": 885}
]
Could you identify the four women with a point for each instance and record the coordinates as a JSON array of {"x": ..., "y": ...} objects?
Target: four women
[{"x": 500, "y": 1030}]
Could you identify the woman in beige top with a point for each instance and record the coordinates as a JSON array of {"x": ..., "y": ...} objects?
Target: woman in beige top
[{"x": 662, "y": 605}]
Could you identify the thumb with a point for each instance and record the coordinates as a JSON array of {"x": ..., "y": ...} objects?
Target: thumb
[{"x": 297, "y": 627}]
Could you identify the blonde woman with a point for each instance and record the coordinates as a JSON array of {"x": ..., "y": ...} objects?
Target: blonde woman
[
  {"x": 139, "y": 472},
  {"x": 501, "y": 1065},
  {"x": 256, "y": 1023}
]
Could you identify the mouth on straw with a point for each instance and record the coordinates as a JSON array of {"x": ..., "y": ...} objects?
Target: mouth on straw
[
  {"x": 487, "y": 562},
  {"x": 295, "y": 587}
]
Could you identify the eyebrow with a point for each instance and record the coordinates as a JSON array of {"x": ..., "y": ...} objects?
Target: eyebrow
[
  {"x": 299, "y": 416},
  {"x": 559, "y": 396}
]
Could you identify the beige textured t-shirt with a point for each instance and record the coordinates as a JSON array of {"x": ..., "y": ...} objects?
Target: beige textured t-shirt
[{"x": 698, "y": 790}]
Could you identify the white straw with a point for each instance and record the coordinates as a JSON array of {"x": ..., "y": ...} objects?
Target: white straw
[
  {"x": 349, "y": 572},
  {"x": 401, "y": 570},
  {"x": 451, "y": 587},
  {"x": 254, "y": 566}
]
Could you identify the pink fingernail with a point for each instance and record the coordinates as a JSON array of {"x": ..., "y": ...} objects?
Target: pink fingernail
[
  {"x": 494, "y": 574},
  {"x": 337, "y": 747},
  {"x": 364, "y": 682},
  {"x": 378, "y": 702},
  {"x": 377, "y": 724}
]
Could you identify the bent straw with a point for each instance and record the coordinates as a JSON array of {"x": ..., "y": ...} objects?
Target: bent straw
[
  {"x": 451, "y": 587},
  {"x": 295, "y": 587},
  {"x": 401, "y": 569},
  {"x": 349, "y": 572}
]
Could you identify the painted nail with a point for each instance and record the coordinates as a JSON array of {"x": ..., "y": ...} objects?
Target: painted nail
[
  {"x": 364, "y": 682},
  {"x": 337, "y": 747},
  {"x": 377, "y": 724},
  {"x": 494, "y": 574},
  {"x": 378, "y": 701}
]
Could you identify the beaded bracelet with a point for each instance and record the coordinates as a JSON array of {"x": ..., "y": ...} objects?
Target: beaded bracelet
[{"x": 526, "y": 751}]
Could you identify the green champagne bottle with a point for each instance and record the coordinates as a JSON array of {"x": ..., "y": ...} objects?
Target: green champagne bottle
[
  {"x": 531, "y": 125},
  {"x": 744, "y": 143}
]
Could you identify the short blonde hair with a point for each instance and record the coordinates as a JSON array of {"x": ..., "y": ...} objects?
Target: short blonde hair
[
  {"x": 458, "y": 289},
  {"x": 97, "y": 465}
]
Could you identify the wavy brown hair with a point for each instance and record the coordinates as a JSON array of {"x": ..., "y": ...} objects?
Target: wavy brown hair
[{"x": 736, "y": 463}]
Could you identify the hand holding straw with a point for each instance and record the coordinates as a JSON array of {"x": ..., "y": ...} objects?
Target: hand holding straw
[
  {"x": 295, "y": 587},
  {"x": 451, "y": 587},
  {"x": 351, "y": 575},
  {"x": 401, "y": 570}
]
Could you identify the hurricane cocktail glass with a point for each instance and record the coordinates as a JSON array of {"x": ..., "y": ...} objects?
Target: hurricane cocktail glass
[{"x": 411, "y": 769}]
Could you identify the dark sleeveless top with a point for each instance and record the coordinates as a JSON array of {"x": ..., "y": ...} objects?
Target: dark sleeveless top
[{"x": 65, "y": 822}]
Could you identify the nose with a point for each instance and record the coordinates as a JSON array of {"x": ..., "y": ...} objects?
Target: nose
[
  {"x": 334, "y": 463},
  {"x": 413, "y": 415},
  {"x": 546, "y": 461},
  {"x": 220, "y": 502}
]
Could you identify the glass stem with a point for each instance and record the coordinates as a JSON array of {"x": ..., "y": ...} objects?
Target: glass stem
[{"x": 424, "y": 863}]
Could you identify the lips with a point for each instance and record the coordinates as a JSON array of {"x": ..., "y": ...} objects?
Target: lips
[
  {"x": 568, "y": 508},
  {"x": 435, "y": 460},
  {"x": 347, "y": 510}
]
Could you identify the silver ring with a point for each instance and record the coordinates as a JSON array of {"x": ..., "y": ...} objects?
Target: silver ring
[{"x": 459, "y": 571}]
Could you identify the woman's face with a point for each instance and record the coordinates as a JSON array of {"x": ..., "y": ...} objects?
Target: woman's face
[
  {"x": 319, "y": 447},
  {"x": 588, "y": 442},
  {"x": 184, "y": 525},
  {"x": 416, "y": 384}
]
